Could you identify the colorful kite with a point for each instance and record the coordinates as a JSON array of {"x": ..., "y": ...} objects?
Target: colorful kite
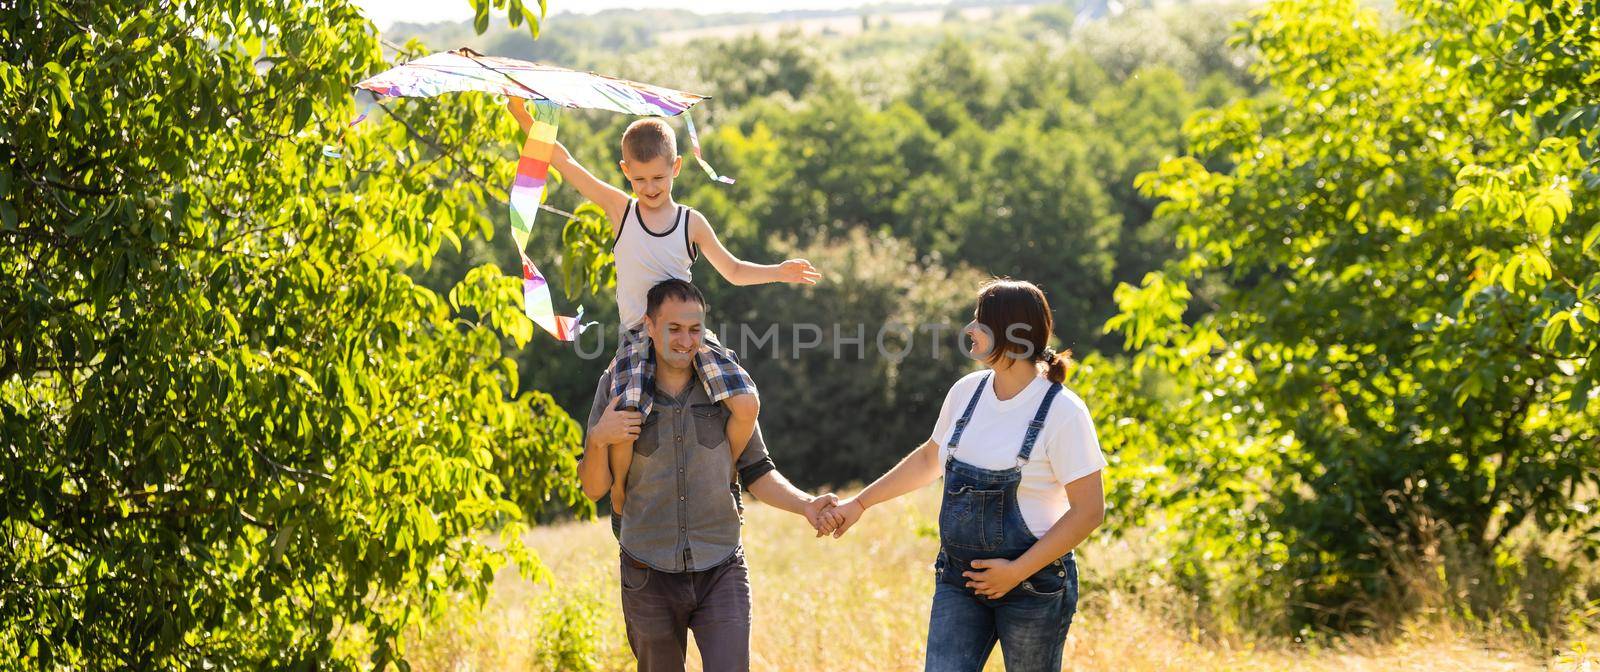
[{"x": 550, "y": 88}]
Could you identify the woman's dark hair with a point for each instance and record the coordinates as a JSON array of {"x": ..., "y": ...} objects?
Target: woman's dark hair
[{"x": 1017, "y": 316}]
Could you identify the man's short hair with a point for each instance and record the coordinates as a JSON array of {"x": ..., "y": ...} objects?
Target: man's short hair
[
  {"x": 647, "y": 139},
  {"x": 678, "y": 290}
]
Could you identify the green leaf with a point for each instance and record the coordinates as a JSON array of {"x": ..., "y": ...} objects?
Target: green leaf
[
  {"x": 480, "y": 17},
  {"x": 1590, "y": 238}
]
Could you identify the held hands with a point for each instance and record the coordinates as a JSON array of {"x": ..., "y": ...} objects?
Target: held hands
[
  {"x": 847, "y": 513},
  {"x": 830, "y": 517},
  {"x": 997, "y": 578},
  {"x": 819, "y": 512},
  {"x": 798, "y": 271}
]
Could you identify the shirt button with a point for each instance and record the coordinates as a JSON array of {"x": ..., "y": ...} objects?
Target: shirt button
[
  {"x": 680, "y": 439},
  {"x": 681, "y": 498}
]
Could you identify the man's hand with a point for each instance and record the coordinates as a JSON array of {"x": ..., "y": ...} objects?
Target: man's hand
[
  {"x": 560, "y": 157},
  {"x": 798, "y": 271},
  {"x": 848, "y": 513},
  {"x": 617, "y": 426},
  {"x": 997, "y": 578},
  {"x": 819, "y": 512}
]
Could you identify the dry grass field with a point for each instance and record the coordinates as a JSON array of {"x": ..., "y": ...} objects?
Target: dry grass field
[{"x": 861, "y": 603}]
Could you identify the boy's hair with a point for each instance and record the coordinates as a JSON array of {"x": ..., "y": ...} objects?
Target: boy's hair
[
  {"x": 680, "y": 290},
  {"x": 647, "y": 139}
]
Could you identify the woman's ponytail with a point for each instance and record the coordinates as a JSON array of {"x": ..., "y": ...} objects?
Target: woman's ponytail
[{"x": 1055, "y": 364}]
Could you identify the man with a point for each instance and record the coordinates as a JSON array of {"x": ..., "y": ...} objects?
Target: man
[{"x": 682, "y": 566}]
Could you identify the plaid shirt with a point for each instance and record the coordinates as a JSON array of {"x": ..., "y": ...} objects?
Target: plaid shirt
[{"x": 633, "y": 371}]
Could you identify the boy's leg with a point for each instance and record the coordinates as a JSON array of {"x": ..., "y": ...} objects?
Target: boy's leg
[
  {"x": 629, "y": 369},
  {"x": 727, "y": 381},
  {"x": 621, "y": 458}
]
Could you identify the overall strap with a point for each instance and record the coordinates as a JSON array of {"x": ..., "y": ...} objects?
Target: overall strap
[
  {"x": 961, "y": 424},
  {"x": 1037, "y": 423}
]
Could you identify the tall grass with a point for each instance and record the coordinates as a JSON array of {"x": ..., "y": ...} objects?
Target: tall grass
[{"x": 861, "y": 603}]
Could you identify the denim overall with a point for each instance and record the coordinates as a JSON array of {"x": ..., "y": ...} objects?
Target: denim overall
[{"x": 980, "y": 519}]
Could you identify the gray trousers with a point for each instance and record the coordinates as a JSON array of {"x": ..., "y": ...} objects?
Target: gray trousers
[{"x": 660, "y": 608}]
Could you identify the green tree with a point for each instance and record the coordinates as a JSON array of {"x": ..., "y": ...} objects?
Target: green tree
[
  {"x": 748, "y": 67},
  {"x": 837, "y": 407},
  {"x": 1409, "y": 226},
  {"x": 1023, "y": 201},
  {"x": 233, "y": 432},
  {"x": 951, "y": 86}
]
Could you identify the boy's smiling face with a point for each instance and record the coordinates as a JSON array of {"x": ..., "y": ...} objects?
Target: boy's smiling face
[{"x": 652, "y": 180}]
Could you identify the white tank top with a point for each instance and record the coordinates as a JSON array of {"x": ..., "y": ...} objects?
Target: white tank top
[{"x": 645, "y": 258}]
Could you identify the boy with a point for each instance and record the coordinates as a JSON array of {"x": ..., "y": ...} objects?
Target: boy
[{"x": 656, "y": 239}]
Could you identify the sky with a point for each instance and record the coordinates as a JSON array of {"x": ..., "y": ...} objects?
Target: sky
[{"x": 385, "y": 12}]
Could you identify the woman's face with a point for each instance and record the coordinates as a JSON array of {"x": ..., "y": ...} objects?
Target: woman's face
[{"x": 981, "y": 341}]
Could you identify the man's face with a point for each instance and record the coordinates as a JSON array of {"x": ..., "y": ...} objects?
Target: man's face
[{"x": 678, "y": 330}]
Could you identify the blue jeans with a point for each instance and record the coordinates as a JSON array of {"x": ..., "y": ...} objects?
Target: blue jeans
[{"x": 1030, "y": 624}]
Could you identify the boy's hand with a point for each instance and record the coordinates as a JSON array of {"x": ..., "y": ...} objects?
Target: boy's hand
[
  {"x": 519, "y": 111},
  {"x": 798, "y": 271}
]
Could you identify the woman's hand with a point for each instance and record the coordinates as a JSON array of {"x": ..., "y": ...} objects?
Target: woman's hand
[
  {"x": 848, "y": 513},
  {"x": 997, "y": 578}
]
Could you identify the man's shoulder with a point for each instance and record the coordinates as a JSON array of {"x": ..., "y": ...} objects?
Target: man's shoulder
[{"x": 602, "y": 390}]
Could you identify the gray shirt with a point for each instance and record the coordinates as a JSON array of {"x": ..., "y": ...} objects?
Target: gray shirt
[{"x": 682, "y": 510}]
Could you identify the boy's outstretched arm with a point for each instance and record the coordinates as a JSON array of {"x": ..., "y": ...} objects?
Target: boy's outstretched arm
[
  {"x": 609, "y": 198},
  {"x": 740, "y": 272}
]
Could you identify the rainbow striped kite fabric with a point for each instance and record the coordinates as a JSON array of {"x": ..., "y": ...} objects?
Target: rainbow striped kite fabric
[{"x": 527, "y": 192}]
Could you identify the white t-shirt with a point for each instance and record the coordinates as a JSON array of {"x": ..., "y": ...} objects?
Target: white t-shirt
[{"x": 1066, "y": 450}]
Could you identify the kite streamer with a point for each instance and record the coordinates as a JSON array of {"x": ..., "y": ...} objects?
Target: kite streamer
[
  {"x": 694, "y": 146},
  {"x": 527, "y": 191},
  {"x": 365, "y": 100}
]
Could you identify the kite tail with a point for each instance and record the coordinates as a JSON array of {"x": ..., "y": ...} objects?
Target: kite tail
[
  {"x": 694, "y": 145},
  {"x": 527, "y": 191},
  {"x": 365, "y": 100}
]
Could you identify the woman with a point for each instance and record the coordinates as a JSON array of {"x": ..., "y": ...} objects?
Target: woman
[{"x": 1022, "y": 488}]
